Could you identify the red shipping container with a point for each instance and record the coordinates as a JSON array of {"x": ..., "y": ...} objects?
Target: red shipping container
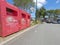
[{"x": 8, "y": 19}]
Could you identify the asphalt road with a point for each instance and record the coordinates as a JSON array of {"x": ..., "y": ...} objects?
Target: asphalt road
[{"x": 43, "y": 34}]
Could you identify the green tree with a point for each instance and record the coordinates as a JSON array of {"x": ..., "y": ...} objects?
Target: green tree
[
  {"x": 57, "y": 11},
  {"x": 53, "y": 12},
  {"x": 40, "y": 12},
  {"x": 25, "y": 4},
  {"x": 50, "y": 12}
]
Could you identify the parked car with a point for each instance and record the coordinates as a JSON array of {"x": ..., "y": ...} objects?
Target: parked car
[
  {"x": 48, "y": 21},
  {"x": 54, "y": 22},
  {"x": 58, "y": 21}
]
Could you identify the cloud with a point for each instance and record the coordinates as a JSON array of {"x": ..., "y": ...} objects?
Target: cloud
[
  {"x": 57, "y": 1},
  {"x": 40, "y": 3}
]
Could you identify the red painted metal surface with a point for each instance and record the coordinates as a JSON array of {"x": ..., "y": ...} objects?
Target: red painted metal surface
[
  {"x": 9, "y": 19},
  {"x": 23, "y": 19},
  {"x": 12, "y": 19},
  {"x": 28, "y": 20}
]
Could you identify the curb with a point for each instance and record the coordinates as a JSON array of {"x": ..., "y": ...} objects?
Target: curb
[{"x": 17, "y": 34}]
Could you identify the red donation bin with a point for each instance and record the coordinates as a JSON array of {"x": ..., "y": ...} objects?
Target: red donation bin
[
  {"x": 8, "y": 19},
  {"x": 28, "y": 20},
  {"x": 12, "y": 19},
  {"x": 23, "y": 19}
]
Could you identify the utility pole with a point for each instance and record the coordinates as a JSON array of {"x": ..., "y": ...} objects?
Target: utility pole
[
  {"x": 36, "y": 4},
  {"x": 36, "y": 13}
]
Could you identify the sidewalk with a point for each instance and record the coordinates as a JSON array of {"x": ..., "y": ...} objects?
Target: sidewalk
[{"x": 13, "y": 36}]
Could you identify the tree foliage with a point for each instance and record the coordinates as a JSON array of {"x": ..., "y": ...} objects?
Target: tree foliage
[
  {"x": 56, "y": 12},
  {"x": 25, "y": 4},
  {"x": 40, "y": 12}
]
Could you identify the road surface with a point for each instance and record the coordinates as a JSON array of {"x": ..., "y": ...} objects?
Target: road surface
[{"x": 43, "y": 34}]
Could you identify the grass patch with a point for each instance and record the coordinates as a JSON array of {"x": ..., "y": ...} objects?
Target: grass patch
[{"x": 34, "y": 23}]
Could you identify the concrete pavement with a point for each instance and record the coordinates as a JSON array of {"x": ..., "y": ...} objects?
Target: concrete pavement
[
  {"x": 43, "y": 34},
  {"x": 4, "y": 40}
]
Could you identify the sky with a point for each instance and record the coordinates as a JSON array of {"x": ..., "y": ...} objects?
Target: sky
[
  {"x": 52, "y": 4},
  {"x": 48, "y": 4}
]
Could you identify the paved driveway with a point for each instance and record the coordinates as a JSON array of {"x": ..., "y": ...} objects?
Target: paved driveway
[{"x": 43, "y": 34}]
